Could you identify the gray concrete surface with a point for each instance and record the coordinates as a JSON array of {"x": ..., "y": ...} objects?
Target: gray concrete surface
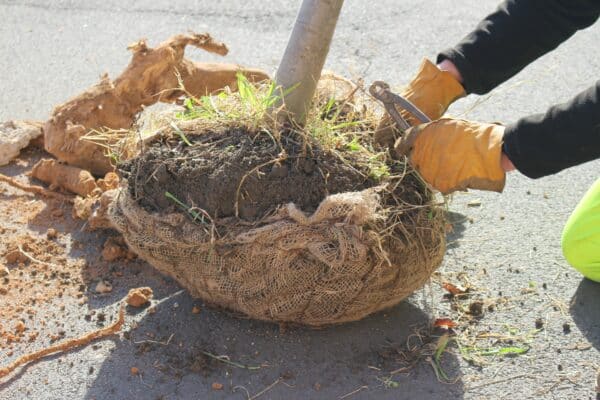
[{"x": 51, "y": 50}]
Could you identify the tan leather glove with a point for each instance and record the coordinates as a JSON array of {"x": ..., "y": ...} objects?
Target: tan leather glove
[
  {"x": 454, "y": 154},
  {"x": 431, "y": 90}
]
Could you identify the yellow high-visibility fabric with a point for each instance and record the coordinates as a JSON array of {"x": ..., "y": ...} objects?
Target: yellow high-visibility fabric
[{"x": 581, "y": 235}]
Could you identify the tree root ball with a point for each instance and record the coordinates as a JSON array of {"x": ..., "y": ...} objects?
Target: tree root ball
[{"x": 313, "y": 226}]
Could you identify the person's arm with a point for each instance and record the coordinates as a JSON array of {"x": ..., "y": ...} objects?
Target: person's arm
[
  {"x": 565, "y": 136},
  {"x": 517, "y": 33}
]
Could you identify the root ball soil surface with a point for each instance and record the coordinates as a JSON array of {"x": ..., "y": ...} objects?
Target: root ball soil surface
[{"x": 252, "y": 169}]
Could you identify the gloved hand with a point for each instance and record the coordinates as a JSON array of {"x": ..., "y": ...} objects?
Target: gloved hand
[
  {"x": 431, "y": 90},
  {"x": 454, "y": 154}
]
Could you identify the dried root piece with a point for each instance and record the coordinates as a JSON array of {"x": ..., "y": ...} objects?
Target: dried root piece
[
  {"x": 66, "y": 345},
  {"x": 61, "y": 176},
  {"x": 35, "y": 189},
  {"x": 15, "y": 136},
  {"x": 153, "y": 75}
]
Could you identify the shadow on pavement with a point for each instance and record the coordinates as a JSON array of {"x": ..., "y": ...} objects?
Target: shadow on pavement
[
  {"x": 585, "y": 310},
  {"x": 174, "y": 351},
  {"x": 458, "y": 222}
]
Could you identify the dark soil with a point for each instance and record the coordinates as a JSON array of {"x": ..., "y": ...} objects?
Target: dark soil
[{"x": 208, "y": 174}]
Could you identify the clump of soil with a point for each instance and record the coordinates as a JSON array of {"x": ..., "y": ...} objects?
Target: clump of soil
[
  {"x": 240, "y": 172},
  {"x": 139, "y": 297}
]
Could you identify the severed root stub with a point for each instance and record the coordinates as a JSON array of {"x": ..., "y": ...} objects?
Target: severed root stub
[
  {"x": 60, "y": 176},
  {"x": 153, "y": 75}
]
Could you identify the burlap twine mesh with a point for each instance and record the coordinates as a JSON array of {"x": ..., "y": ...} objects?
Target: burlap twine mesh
[{"x": 329, "y": 267}]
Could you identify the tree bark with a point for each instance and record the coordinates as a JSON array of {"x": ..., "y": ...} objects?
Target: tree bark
[{"x": 305, "y": 55}]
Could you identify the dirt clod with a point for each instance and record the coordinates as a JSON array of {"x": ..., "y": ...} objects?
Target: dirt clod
[
  {"x": 15, "y": 257},
  {"x": 116, "y": 249},
  {"x": 103, "y": 287},
  {"x": 566, "y": 328},
  {"x": 139, "y": 297},
  {"x": 476, "y": 308},
  {"x": 19, "y": 327},
  {"x": 51, "y": 233},
  {"x": 217, "y": 386},
  {"x": 539, "y": 323}
]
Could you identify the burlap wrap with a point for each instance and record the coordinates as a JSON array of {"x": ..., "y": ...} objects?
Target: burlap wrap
[{"x": 330, "y": 267}]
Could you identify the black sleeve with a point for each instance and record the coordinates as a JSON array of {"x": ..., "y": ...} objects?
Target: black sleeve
[
  {"x": 566, "y": 135},
  {"x": 517, "y": 33}
]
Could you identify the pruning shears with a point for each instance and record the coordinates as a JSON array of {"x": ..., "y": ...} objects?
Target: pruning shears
[{"x": 381, "y": 91}]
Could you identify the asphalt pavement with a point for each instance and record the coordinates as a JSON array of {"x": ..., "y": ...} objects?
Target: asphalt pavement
[{"x": 507, "y": 246}]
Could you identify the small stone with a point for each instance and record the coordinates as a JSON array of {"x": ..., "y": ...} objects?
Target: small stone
[
  {"x": 139, "y": 297},
  {"x": 51, "y": 233},
  {"x": 135, "y": 371},
  {"x": 217, "y": 386},
  {"x": 103, "y": 287},
  {"x": 4, "y": 271},
  {"x": 196, "y": 310},
  {"x": 566, "y": 328}
]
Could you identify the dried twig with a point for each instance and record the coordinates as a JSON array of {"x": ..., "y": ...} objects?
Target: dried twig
[{"x": 66, "y": 345}]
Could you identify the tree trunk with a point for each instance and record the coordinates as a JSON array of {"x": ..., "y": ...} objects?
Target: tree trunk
[{"x": 305, "y": 55}]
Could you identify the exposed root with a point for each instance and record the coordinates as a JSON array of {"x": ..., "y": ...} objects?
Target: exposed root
[
  {"x": 66, "y": 345},
  {"x": 153, "y": 75},
  {"x": 35, "y": 189},
  {"x": 73, "y": 179}
]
